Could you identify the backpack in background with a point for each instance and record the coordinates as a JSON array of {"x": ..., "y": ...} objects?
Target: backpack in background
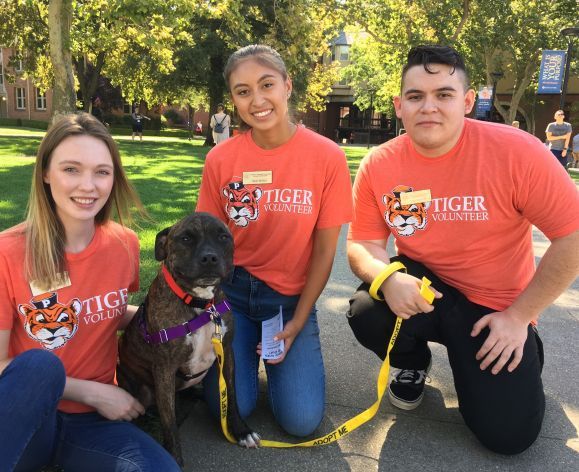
[{"x": 219, "y": 127}]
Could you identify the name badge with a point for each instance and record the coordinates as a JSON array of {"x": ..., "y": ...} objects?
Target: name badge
[
  {"x": 258, "y": 177},
  {"x": 62, "y": 281},
  {"x": 420, "y": 196}
]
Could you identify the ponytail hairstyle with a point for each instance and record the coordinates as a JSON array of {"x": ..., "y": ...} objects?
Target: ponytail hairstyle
[
  {"x": 262, "y": 54},
  {"x": 45, "y": 235}
]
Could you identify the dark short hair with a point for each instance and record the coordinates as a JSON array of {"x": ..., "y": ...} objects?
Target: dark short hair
[{"x": 425, "y": 55}]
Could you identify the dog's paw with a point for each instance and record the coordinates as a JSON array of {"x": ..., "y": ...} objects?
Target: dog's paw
[{"x": 249, "y": 441}]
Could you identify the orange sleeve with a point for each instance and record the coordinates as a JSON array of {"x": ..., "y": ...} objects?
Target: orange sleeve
[
  {"x": 548, "y": 198},
  {"x": 368, "y": 221}
]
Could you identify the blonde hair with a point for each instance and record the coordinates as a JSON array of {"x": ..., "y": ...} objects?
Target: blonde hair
[
  {"x": 262, "y": 54},
  {"x": 45, "y": 235}
]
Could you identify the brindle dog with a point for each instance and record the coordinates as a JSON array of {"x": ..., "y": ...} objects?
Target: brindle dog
[{"x": 198, "y": 254}]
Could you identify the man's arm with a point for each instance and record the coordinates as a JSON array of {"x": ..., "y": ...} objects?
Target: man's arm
[
  {"x": 508, "y": 329},
  {"x": 401, "y": 291},
  {"x": 551, "y": 138}
]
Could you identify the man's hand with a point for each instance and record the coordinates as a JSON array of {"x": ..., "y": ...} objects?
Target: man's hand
[
  {"x": 506, "y": 338},
  {"x": 114, "y": 403},
  {"x": 402, "y": 294}
]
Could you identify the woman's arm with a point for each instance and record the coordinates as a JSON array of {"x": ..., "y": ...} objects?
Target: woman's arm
[
  {"x": 127, "y": 317},
  {"x": 110, "y": 401},
  {"x": 4, "y": 341},
  {"x": 322, "y": 258}
]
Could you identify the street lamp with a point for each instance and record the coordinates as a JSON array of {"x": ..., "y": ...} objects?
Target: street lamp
[
  {"x": 496, "y": 75},
  {"x": 372, "y": 92},
  {"x": 571, "y": 32}
]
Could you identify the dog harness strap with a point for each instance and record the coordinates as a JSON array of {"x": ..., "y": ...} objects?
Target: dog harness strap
[
  {"x": 213, "y": 313},
  {"x": 186, "y": 297}
]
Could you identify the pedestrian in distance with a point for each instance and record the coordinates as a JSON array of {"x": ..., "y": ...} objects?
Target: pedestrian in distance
[
  {"x": 575, "y": 162},
  {"x": 284, "y": 191},
  {"x": 470, "y": 235},
  {"x": 559, "y": 135},
  {"x": 516, "y": 124},
  {"x": 138, "y": 123},
  {"x": 220, "y": 123},
  {"x": 65, "y": 275}
]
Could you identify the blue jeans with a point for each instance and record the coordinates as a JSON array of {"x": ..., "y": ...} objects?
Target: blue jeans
[
  {"x": 296, "y": 387},
  {"x": 558, "y": 153},
  {"x": 34, "y": 434}
]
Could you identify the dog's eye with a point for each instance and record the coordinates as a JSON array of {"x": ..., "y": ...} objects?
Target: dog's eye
[
  {"x": 185, "y": 239},
  {"x": 224, "y": 237}
]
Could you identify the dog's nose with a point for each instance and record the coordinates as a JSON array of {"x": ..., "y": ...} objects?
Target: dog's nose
[{"x": 208, "y": 259}]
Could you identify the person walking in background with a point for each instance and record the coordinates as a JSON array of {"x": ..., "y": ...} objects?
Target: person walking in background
[
  {"x": 559, "y": 135},
  {"x": 138, "y": 123},
  {"x": 65, "y": 276},
  {"x": 472, "y": 238},
  {"x": 575, "y": 163},
  {"x": 220, "y": 123},
  {"x": 284, "y": 191}
]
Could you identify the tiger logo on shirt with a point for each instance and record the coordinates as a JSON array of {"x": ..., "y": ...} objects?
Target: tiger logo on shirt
[
  {"x": 242, "y": 203},
  {"x": 405, "y": 219},
  {"x": 49, "y": 322}
]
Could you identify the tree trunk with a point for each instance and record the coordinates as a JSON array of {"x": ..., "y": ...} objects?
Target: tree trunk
[
  {"x": 88, "y": 76},
  {"x": 216, "y": 86},
  {"x": 59, "y": 23}
]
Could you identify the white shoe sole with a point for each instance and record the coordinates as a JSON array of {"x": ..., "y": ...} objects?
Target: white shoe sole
[{"x": 404, "y": 404}]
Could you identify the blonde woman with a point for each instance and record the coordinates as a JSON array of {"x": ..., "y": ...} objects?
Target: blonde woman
[{"x": 65, "y": 275}]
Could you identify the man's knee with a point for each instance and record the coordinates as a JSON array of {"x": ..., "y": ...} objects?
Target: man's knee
[
  {"x": 508, "y": 434},
  {"x": 370, "y": 321},
  {"x": 510, "y": 441}
]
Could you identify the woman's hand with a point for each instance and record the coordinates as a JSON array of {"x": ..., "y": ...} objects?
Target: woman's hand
[
  {"x": 113, "y": 402},
  {"x": 291, "y": 329}
]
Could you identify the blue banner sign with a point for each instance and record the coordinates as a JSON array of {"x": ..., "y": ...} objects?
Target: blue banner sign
[
  {"x": 551, "y": 73},
  {"x": 484, "y": 102}
]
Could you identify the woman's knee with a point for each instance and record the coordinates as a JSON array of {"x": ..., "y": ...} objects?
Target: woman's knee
[
  {"x": 302, "y": 424},
  {"x": 43, "y": 368}
]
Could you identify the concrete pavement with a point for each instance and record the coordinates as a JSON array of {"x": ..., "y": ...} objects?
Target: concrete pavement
[{"x": 432, "y": 437}]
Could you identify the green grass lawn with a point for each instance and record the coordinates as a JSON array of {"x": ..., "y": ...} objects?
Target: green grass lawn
[{"x": 165, "y": 170}]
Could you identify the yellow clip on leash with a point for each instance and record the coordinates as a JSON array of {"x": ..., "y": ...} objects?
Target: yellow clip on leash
[{"x": 345, "y": 428}]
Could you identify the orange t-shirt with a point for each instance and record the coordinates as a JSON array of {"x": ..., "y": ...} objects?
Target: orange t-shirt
[
  {"x": 274, "y": 200},
  {"x": 486, "y": 192},
  {"x": 77, "y": 323}
]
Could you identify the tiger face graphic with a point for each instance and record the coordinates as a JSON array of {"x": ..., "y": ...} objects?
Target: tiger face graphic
[
  {"x": 241, "y": 205},
  {"x": 405, "y": 219},
  {"x": 49, "y": 322}
]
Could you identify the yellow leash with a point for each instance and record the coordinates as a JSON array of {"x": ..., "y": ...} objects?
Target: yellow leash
[
  {"x": 345, "y": 428},
  {"x": 337, "y": 433}
]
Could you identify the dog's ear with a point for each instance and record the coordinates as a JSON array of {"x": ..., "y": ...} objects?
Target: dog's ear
[{"x": 161, "y": 244}]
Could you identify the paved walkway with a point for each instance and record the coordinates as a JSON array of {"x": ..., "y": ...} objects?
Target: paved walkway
[{"x": 432, "y": 437}]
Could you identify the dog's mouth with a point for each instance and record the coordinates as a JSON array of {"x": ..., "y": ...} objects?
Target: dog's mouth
[{"x": 205, "y": 282}]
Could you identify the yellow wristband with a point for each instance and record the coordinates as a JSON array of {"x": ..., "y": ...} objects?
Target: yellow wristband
[{"x": 382, "y": 276}]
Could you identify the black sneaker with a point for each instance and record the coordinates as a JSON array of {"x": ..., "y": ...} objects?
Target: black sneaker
[{"x": 406, "y": 387}]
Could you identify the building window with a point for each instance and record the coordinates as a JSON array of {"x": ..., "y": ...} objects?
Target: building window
[
  {"x": 19, "y": 66},
  {"x": 40, "y": 100},
  {"x": 341, "y": 52},
  {"x": 20, "y": 98},
  {"x": 1, "y": 72}
]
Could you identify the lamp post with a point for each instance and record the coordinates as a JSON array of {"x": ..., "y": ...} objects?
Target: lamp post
[
  {"x": 372, "y": 92},
  {"x": 497, "y": 75},
  {"x": 571, "y": 33}
]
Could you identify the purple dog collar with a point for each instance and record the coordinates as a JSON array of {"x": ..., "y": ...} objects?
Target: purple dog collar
[{"x": 213, "y": 313}]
